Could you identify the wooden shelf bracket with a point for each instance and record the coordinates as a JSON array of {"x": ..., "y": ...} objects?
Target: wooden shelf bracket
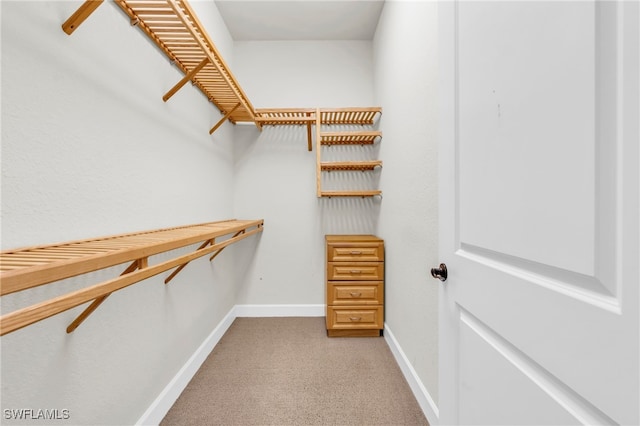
[
  {"x": 78, "y": 17},
  {"x": 213, "y": 256},
  {"x": 136, "y": 264},
  {"x": 181, "y": 267},
  {"x": 223, "y": 119},
  {"x": 186, "y": 78}
]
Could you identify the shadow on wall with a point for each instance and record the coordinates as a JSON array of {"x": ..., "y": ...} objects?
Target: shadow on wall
[
  {"x": 271, "y": 142},
  {"x": 350, "y": 215}
]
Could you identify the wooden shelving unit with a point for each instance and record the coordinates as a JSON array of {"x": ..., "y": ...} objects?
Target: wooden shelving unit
[
  {"x": 25, "y": 268},
  {"x": 175, "y": 29},
  {"x": 327, "y": 138}
]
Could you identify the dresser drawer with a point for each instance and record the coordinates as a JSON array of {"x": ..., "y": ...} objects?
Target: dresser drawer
[
  {"x": 355, "y": 293},
  {"x": 350, "y": 271},
  {"x": 355, "y": 252},
  {"x": 353, "y": 317}
]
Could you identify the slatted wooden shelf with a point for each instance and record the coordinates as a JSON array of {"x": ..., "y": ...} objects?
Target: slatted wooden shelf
[
  {"x": 363, "y": 194},
  {"x": 286, "y": 116},
  {"x": 350, "y": 165},
  {"x": 29, "y": 267},
  {"x": 350, "y": 115},
  {"x": 176, "y": 30},
  {"x": 328, "y": 116},
  {"x": 300, "y": 116},
  {"x": 349, "y": 138}
]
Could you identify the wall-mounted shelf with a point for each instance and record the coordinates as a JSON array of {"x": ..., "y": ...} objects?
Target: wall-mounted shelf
[
  {"x": 29, "y": 267},
  {"x": 176, "y": 30},
  {"x": 328, "y": 116},
  {"x": 330, "y": 166},
  {"x": 363, "y": 194},
  {"x": 349, "y": 138},
  {"x": 350, "y": 115}
]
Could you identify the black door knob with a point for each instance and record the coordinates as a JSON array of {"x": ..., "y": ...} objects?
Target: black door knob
[{"x": 440, "y": 273}]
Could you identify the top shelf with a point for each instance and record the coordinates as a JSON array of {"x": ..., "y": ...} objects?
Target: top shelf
[
  {"x": 175, "y": 29},
  {"x": 293, "y": 116}
]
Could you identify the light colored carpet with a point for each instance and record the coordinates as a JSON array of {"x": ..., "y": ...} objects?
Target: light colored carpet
[{"x": 286, "y": 371}]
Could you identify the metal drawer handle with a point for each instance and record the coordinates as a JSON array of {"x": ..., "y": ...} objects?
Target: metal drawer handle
[
  {"x": 355, "y": 294},
  {"x": 355, "y": 271},
  {"x": 355, "y": 318}
]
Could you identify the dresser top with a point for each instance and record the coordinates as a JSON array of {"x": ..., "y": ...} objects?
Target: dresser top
[{"x": 337, "y": 238}]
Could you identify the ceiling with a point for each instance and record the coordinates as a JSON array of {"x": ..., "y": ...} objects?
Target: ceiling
[{"x": 301, "y": 19}]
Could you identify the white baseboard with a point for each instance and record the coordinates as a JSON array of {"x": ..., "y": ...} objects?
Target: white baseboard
[
  {"x": 279, "y": 310},
  {"x": 163, "y": 403},
  {"x": 426, "y": 402}
]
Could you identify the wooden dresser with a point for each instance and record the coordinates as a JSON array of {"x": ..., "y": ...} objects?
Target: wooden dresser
[{"x": 354, "y": 285}]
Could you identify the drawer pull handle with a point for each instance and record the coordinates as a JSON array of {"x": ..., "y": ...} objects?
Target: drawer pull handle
[
  {"x": 355, "y": 318},
  {"x": 356, "y": 294},
  {"x": 356, "y": 252},
  {"x": 355, "y": 271}
]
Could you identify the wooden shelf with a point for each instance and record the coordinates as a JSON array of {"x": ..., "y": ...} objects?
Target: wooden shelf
[
  {"x": 350, "y": 165},
  {"x": 350, "y": 115},
  {"x": 29, "y": 267},
  {"x": 300, "y": 116},
  {"x": 349, "y": 138},
  {"x": 286, "y": 116},
  {"x": 176, "y": 30},
  {"x": 363, "y": 194}
]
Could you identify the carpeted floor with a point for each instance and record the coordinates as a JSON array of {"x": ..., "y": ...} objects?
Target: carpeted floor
[{"x": 285, "y": 371}]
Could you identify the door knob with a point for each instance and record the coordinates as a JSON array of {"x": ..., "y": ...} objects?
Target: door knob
[{"x": 440, "y": 273}]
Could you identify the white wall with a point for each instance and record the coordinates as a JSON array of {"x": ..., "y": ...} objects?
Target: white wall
[
  {"x": 90, "y": 149},
  {"x": 275, "y": 174},
  {"x": 405, "y": 63}
]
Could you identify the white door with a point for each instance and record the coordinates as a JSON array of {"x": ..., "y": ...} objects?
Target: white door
[{"x": 539, "y": 191}]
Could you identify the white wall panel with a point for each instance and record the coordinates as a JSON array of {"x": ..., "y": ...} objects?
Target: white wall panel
[
  {"x": 275, "y": 173},
  {"x": 405, "y": 61}
]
